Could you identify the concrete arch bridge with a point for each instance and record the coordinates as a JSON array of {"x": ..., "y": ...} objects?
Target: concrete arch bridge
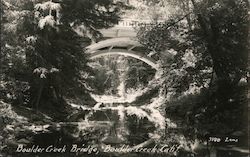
[{"x": 120, "y": 46}]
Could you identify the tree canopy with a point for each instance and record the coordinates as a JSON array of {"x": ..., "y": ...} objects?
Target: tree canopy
[{"x": 43, "y": 42}]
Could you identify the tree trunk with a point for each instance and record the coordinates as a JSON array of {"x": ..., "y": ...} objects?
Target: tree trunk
[
  {"x": 223, "y": 80},
  {"x": 39, "y": 94}
]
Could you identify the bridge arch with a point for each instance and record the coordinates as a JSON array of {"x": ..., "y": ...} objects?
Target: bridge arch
[{"x": 119, "y": 46}]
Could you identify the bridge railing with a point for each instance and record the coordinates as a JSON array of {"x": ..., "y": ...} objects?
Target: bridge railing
[{"x": 131, "y": 23}]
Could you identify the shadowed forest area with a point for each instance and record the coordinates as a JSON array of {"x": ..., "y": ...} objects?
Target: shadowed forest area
[{"x": 180, "y": 78}]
